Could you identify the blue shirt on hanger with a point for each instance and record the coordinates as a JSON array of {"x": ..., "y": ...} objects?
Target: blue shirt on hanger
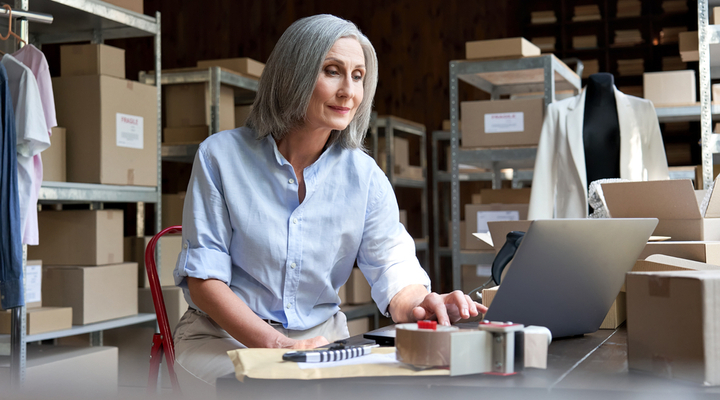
[
  {"x": 11, "y": 278},
  {"x": 243, "y": 224}
]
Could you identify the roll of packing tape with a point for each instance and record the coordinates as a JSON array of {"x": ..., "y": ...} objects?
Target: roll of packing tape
[{"x": 423, "y": 347}]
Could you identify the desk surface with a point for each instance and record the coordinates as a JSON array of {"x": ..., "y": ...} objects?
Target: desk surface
[{"x": 592, "y": 366}]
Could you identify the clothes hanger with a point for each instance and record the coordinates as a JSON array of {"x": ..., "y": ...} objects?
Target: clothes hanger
[{"x": 10, "y": 31}]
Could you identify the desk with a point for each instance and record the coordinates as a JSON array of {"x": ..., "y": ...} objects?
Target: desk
[{"x": 592, "y": 366}]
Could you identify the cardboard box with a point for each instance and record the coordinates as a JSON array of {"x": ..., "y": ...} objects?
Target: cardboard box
[
  {"x": 172, "y": 209},
  {"x": 704, "y": 252},
  {"x": 132, "y": 5},
  {"x": 617, "y": 313},
  {"x": 54, "y": 157},
  {"x": 447, "y": 125},
  {"x": 501, "y": 123},
  {"x": 189, "y": 104},
  {"x": 175, "y": 304},
  {"x": 687, "y": 348},
  {"x": 94, "y": 293},
  {"x": 113, "y": 125},
  {"x": 241, "y": 114},
  {"x": 476, "y": 199},
  {"x": 668, "y": 88},
  {"x": 243, "y": 65},
  {"x": 662, "y": 262},
  {"x": 478, "y": 215},
  {"x": 55, "y": 372},
  {"x": 357, "y": 288},
  {"x": 358, "y": 326},
  {"x": 716, "y": 16},
  {"x": 413, "y": 172},
  {"x": 92, "y": 59},
  {"x": 170, "y": 247},
  {"x": 674, "y": 202},
  {"x": 497, "y": 48},
  {"x": 474, "y": 276},
  {"x": 40, "y": 320},
  {"x": 342, "y": 294},
  {"x": 500, "y": 229},
  {"x": 688, "y": 46},
  {"x": 79, "y": 237},
  {"x": 488, "y": 295},
  {"x": 401, "y": 151},
  {"x": 185, "y": 135},
  {"x": 505, "y": 196}
]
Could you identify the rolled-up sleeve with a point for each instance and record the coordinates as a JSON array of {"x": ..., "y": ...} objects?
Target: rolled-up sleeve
[
  {"x": 207, "y": 231},
  {"x": 387, "y": 252}
]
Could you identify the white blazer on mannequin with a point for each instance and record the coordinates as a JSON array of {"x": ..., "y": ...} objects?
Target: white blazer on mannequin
[{"x": 559, "y": 187}]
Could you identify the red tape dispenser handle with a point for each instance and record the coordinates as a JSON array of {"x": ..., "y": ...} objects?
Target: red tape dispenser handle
[{"x": 431, "y": 325}]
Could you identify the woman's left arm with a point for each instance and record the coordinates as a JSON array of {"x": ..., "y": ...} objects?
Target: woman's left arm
[{"x": 414, "y": 303}]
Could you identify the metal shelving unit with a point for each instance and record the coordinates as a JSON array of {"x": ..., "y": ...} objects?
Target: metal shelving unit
[
  {"x": 244, "y": 86},
  {"x": 545, "y": 74},
  {"x": 72, "y": 21},
  {"x": 390, "y": 125}
]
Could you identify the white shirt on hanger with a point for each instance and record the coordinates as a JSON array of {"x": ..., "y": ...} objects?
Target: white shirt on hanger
[{"x": 32, "y": 138}]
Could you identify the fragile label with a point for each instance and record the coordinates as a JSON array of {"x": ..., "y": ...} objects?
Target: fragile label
[
  {"x": 504, "y": 122},
  {"x": 33, "y": 283},
  {"x": 483, "y": 217},
  {"x": 129, "y": 131}
]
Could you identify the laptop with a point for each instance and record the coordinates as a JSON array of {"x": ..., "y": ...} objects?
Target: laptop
[{"x": 566, "y": 273}]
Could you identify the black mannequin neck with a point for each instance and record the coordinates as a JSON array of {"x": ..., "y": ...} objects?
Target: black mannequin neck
[{"x": 600, "y": 90}]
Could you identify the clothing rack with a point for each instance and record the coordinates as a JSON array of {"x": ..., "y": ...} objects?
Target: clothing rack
[{"x": 17, "y": 322}]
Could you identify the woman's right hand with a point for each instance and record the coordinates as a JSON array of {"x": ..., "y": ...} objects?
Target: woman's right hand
[{"x": 311, "y": 343}]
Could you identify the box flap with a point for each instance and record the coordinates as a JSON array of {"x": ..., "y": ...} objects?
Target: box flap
[
  {"x": 669, "y": 199},
  {"x": 681, "y": 263},
  {"x": 500, "y": 229},
  {"x": 699, "y": 275},
  {"x": 713, "y": 206}
]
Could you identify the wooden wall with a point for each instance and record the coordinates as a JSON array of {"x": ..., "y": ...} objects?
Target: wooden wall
[{"x": 414, "y": 40}]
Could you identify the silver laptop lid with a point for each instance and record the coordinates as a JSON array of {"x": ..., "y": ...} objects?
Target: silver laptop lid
[{"x": 567, "y": 272}]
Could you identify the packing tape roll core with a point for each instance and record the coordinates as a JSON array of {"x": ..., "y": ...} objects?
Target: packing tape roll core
[{"x": 423, "y": 347}]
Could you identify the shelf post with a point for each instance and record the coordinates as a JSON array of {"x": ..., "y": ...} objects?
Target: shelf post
[
  {"x": 454, "y": 181},
  {"x": 705, "y": 112}
]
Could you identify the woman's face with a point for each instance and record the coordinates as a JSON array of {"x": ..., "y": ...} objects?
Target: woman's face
[{"x": 339, "y": 88}]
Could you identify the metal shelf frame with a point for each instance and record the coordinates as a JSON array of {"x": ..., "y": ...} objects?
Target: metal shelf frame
[
  {"x": 245, "y": 90},
  {"x": 95, "y": 21},
  {"x": 545, "y": 74},
  {"x": 390, "y": 125}
]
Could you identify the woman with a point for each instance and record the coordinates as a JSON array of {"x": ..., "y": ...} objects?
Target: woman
[{"x": 278, "y": 211}]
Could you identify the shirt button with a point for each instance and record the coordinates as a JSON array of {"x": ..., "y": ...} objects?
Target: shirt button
[
  {"x": 185, "y": 246},
  {"x": 294, "y": 220},
  {"x": 291, "y": 180},
  {"x": 293, "y": 265},
  {"x": 288, "y": 306}
]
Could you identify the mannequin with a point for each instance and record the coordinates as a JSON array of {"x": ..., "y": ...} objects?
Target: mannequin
[{"x": 601, "y": 130}]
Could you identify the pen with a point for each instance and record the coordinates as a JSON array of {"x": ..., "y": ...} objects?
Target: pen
[{"x": 327, "y": 355}]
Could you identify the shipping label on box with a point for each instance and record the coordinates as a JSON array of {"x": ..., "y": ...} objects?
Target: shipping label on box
[
  {"x": 129, "y": 131},
  {"x": 483, "y": 217},
  {"x": 33, "y": 284},
  {"x": 504, "y": 122}
]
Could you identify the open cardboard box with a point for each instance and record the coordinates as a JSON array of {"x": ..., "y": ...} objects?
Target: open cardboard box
[
  {"x": 674, "y": 202},
  {"x": 661, "y": 262}
]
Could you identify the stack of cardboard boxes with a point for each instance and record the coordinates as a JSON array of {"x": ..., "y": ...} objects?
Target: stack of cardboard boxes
[
  {"x": 187, "y": 106},
  {"x": 676, "y": 277},
  {"x": 401, "y": 159}
]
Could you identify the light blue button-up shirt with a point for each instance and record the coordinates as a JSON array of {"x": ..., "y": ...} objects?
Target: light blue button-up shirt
[{"x": 244, "y": 225}]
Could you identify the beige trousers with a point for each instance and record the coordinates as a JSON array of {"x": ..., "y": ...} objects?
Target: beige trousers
[{"x": 201, "y": 346}]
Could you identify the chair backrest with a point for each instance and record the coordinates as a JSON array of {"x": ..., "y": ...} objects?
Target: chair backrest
[{"x": 165, "y": 333}]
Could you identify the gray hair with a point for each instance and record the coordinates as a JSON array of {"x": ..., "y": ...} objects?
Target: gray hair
[{"x": 291, "y": 73}]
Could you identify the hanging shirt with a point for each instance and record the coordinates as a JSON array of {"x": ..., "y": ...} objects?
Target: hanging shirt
[
  {"x": 32, "y": 138},
  {"x": 11, "y": 279},
  {"x": 244, "y": 225},
  {"x": 35, "y": 60}
]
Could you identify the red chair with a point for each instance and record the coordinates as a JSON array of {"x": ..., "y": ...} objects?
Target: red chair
[{"x": 163, "y": 341}]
